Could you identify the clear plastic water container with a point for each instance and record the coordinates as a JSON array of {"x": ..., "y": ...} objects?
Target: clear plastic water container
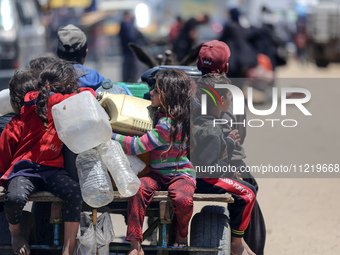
[
  {"x": 95, "y": 183},
  {"x": 5, "y": 102},
  {"x": 81, "y": 122},
  {"x": 118, "y": 165},
  {"x": 136, "y": 164}
]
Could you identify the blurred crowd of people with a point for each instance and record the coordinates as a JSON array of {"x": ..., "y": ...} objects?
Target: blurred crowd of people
[{"x": 255, "y": 49}]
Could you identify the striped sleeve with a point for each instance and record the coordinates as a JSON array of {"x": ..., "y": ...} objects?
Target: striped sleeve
[{"x": 134, "y": 145}]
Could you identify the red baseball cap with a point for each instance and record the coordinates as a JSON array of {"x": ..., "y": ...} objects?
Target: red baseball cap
[{"x": 213, "y": 57}]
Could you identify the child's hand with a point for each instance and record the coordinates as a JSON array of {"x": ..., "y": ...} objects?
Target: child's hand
[{"x": 235, "y": 134}]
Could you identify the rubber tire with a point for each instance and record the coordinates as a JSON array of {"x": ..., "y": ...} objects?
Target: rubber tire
[
  {"x": 215, "y": 209},
  {"x": 209, "y": 230}
]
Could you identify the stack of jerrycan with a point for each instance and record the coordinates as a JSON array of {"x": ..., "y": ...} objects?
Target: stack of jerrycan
[
  {"x": 108, "y": 88},
  {"x": 83, "y": 125},
  {"x": 133, "y": 116}
]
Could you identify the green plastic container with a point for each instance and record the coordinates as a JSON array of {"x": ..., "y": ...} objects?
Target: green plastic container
[{"x": 137, "y": 89}]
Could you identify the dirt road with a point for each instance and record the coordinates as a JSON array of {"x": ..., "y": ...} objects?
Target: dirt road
[{"x": 302, "y": 214}]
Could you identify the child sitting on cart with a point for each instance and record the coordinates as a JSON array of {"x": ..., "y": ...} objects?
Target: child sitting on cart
[
  {"x": 212, "y": 147},
  {"x": 171, "y": 169},
  {"x": 31, "y": 158}
]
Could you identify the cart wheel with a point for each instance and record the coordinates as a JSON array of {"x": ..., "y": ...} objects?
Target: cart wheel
[
  {"x": 215, "y": 209},
  {"x": 210, "y": 230}
]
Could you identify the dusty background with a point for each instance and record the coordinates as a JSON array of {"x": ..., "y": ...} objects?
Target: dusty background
[{"x": 302, "y": 214}]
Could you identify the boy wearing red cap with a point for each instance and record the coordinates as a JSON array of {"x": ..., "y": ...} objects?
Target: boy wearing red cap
[
  {"x": 213, "y": 57},
  {"x": 213, "y": 62}
]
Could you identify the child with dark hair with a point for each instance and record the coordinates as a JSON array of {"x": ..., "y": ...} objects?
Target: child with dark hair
[
  {"x": 171, "y": 169},
  {"x": 37, "y": 65},
  {"x": 21, "y": 83},
  {"x": 211, "y": 148},
  {"x": 214, "y": 58},
  {"x": 31, "y": 155}
]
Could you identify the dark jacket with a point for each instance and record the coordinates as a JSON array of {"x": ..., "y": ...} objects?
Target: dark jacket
[{"x": 209, "y": 146}]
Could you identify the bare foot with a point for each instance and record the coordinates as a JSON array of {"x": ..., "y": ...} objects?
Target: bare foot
[
  {"x": 20, "y": 245},
  {"x": 136, "y": 248},
  {"x": 181, "y": 241}
]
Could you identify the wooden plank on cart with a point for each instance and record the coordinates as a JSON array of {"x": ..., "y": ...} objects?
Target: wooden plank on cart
[
  {"x": 163, "y": 195},
  {"x": 40, "y": 196},
  {"x": 44, "y": 196}
]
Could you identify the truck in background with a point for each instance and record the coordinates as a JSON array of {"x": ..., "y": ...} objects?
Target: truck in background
[
  {"x": 323, "y": 29},
  {"x": 22, "y": 36}
]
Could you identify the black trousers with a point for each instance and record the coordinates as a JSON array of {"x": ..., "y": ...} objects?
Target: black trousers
[
  {"x": 19, "y": 188},
  {"x": 255, "y": 234}
]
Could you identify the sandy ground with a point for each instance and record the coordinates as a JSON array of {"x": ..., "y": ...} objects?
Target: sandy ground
[{"x": 301, "y": 214}]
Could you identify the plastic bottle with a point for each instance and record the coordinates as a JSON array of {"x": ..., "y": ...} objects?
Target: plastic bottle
[
  {"x": 118, "y": 165},
  {"x": 108, "y": 87},
  {"x": 81, "y": 122},
  {"x": 5, "y": 102},
  {"x": 95, "y": 183},
  {"x": 136, "y": 164}
]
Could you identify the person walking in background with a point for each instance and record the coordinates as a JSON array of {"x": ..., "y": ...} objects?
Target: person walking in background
[
  {"x": 175, "y": 29},
  {"x": 72, "y": 47},
  {"x": 188, "y": 37},
  {"x": 243, "y": 56},
  {"x": 129, "y": 33},
  {"x": 301, "y": 39}
]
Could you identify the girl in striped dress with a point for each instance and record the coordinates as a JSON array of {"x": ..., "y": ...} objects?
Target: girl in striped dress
[{"x": 170, "y": 167}]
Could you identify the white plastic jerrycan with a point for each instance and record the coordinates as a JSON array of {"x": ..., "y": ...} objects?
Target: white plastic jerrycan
[
  {"x": 5, "y": 102},
  {"x": 81, "y": 122}
]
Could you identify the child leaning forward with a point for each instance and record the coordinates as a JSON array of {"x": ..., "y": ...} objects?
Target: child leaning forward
[{"x": 170, "y": 167}]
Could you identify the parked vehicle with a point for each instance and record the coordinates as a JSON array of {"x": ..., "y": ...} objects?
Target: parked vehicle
[
  {"x": 22, "y": 36},
  {"x": 323, "y": 27}
]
